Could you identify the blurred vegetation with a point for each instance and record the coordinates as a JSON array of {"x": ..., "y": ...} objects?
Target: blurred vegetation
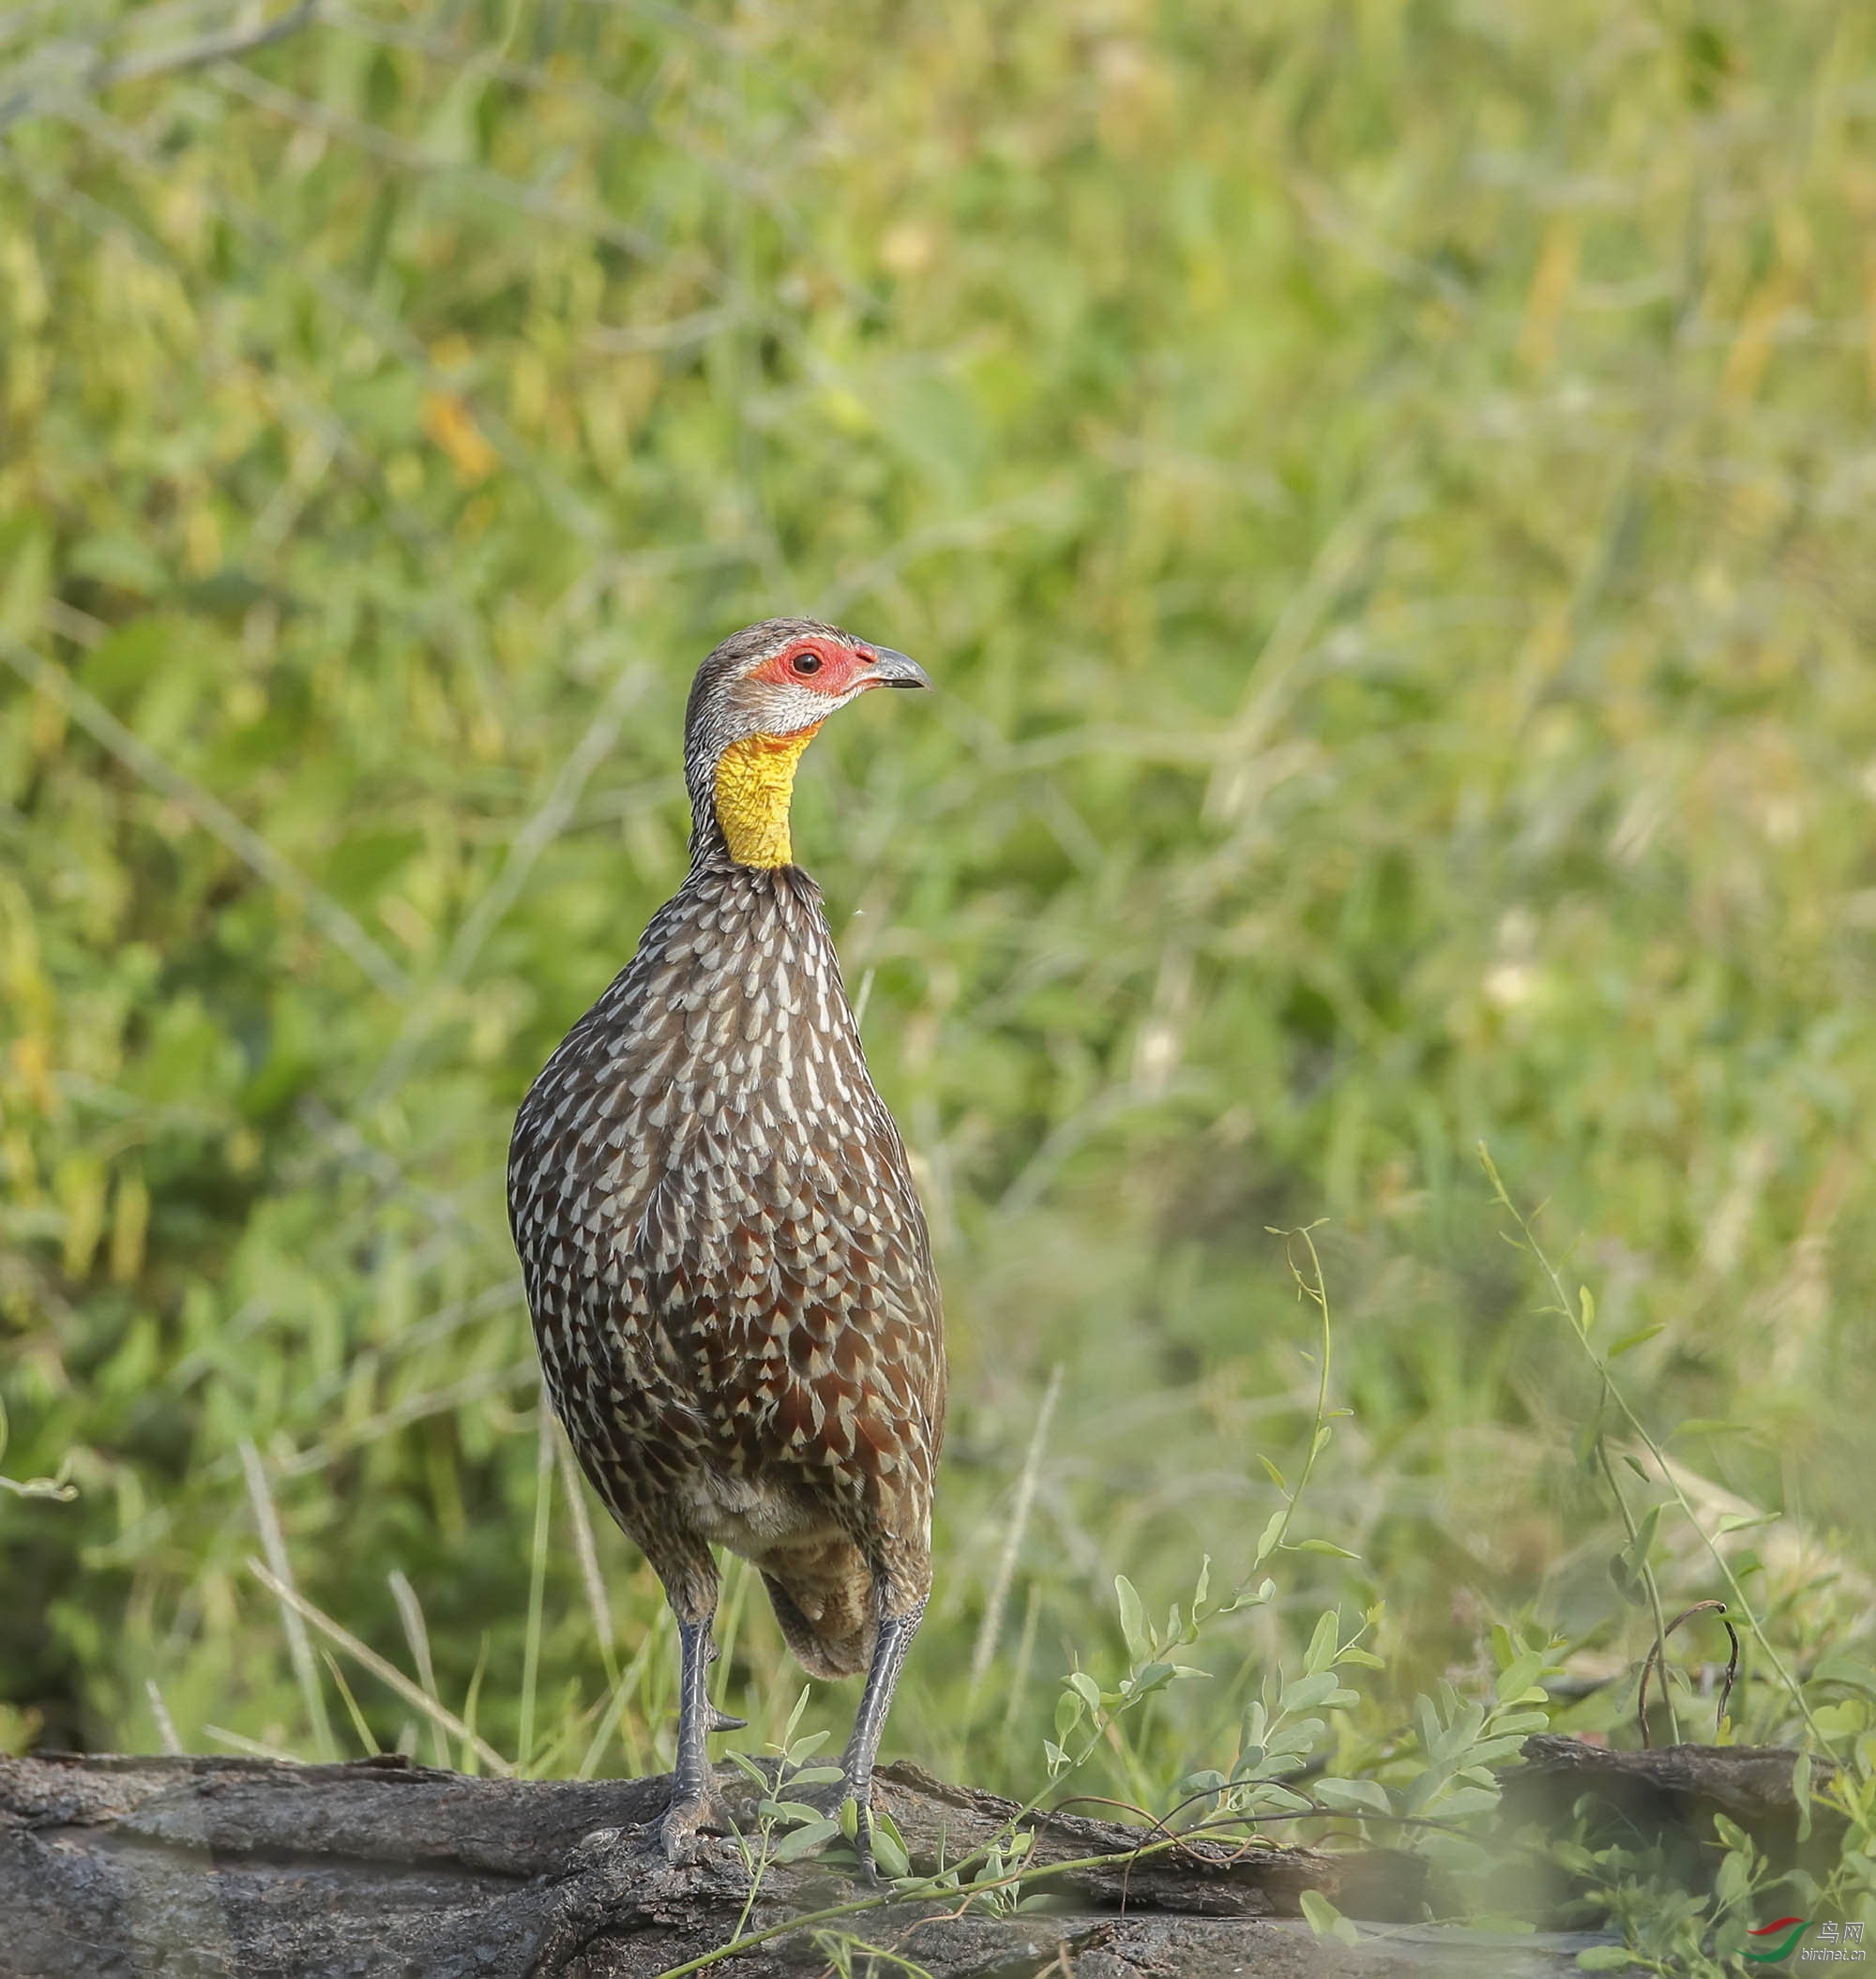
[{"x": 1383, "y": 488}]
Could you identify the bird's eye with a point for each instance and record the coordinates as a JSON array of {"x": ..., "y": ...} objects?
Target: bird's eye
[{"x": 806, "y": 664}]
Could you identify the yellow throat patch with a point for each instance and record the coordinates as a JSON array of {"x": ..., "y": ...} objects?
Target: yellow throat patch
[{"x": 755, "y": 779}]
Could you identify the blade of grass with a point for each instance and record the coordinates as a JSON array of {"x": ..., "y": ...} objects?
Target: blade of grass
[
  {"x": 416, "y": 1634},
  {"x": 992, "y": 1626},
  {"x": 472, "y": 1745},
  {"x": 159, "y": 1710},
  {"x": 630, "y": 1678},
  {"x": 386, "y": 1673},
  {"x": 366, "y": 1737},
  {"x": 252, "y": 1748},
  {"x": 543, "y": 1515},
  {"x": 299, "y": 1646},
  {"x": 590, "y": 1579}
]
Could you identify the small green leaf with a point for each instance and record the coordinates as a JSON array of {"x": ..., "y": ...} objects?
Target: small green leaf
[
  {"x": 1852, "y": 1671},
  {"x": 1271, "y": 1471},
  {"x": 1627, "y": 1584},
  {"x": 801, "y": 1841},
  {"x": 1322, "y": 1546},
  {"x": 1630, "y": 1341},
  {"x": 1306, "y": 1693},
  {"x": 1584, "y": 1444},
  {"x": 1266, "y": 1543},
  {"x": 1325, "y": 1921},
  {"x": 1153, "y": 1676},
  {"x": 1492, "y": 1751},
  {"x": 1519, "y": 1675},
  {"x": 1353, "y": 1796},
  {"x": 795, "y": 1715},
  {"x": 1645, "y": 1528},
  {"x": 1084, "y": 1686},
  {"x": 1133, "y": 1620},
  {"x": 1606, "y": 1959},
  {"x": 1320, "y": 1912},
  {"x": 889, "y": 1849}
]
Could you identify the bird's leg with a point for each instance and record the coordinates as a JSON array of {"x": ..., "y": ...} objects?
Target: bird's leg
[
  {"x": 856, "y": 1766},
  {"x": 693, "y": 1799}
]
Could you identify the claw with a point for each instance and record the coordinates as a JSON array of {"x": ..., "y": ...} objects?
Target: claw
[
  {"x": 722, "y": 1721},
  {"x": 617, "y": 1876},
  {"x": 677, "y": 1827}
]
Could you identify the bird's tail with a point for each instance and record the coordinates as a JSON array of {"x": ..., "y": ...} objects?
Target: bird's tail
[{"x": 825, "y": 1603}]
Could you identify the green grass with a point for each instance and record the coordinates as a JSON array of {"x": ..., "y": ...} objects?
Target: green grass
[{"x": 1384, "y": 490}]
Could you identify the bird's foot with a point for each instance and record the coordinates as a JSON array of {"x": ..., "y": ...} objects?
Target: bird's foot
[
  {"x": 685, "y": 1860},
  {"x": 863, "y": 1832},
  {"x": 678, "y": 1831},
  {"x": 852, "y": 1805}
]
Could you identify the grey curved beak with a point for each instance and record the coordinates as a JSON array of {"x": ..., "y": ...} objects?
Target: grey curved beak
[{"x": 896, "y": 670}]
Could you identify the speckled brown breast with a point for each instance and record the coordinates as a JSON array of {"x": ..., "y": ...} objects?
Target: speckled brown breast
[{"x": 728, "y": 1267}]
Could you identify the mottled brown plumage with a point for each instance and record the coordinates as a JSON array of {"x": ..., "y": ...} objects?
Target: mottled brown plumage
[{"x": 725, "y": 1253}]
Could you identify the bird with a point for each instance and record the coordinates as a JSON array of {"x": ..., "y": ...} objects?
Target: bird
[{"x": 725, "y": 1253}]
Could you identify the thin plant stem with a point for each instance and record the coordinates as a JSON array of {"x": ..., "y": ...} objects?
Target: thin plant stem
[
  {"x": 543, "y": 1510},
  {"x": 1648, "y": 1582},
  {"x": 1643, "y": 1434}
]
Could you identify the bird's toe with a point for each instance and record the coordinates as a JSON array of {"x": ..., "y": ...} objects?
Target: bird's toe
[
  {"x": 679, "y": 1832},
  {"x": 616, "y": 1876}
]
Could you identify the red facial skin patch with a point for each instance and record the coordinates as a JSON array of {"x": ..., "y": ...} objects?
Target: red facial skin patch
[{"x": 823, "y": 666}]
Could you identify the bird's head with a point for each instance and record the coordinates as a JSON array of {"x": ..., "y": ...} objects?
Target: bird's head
[{"x": 754, "y": 706}]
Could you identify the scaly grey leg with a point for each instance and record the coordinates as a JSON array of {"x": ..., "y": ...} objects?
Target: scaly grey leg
[
  {"x": 856, "y": 1767},
  {"x": 693, "y": 1799}
]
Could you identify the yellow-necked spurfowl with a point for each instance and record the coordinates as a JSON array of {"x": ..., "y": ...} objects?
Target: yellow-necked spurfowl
[{"x": 724, "y": 1252}]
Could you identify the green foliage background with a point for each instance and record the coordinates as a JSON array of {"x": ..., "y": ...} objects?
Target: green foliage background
[{"x": 1383, "y": 488}]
